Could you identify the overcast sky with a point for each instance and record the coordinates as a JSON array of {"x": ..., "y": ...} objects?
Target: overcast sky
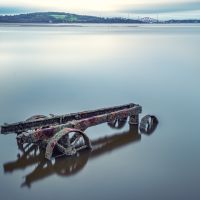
[{"x": 131, "y": 8}]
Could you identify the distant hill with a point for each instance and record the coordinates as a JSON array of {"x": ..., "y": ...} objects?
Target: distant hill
[{"x": 61, "y": 17}]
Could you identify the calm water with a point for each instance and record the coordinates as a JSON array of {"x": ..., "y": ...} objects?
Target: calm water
[{"x": 67, "y": 69}]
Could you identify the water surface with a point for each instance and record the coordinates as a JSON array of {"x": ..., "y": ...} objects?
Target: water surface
[{"x": 67, "y": 69}]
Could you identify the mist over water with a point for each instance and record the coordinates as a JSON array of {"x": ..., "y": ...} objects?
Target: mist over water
[{"x": 60, "y": 70}]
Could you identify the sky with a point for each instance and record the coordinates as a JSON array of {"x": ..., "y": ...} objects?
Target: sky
[{"x": 125, "y": 8}]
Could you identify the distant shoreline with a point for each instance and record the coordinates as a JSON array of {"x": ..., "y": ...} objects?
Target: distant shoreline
[
  {"x": 52, "y": 18},
  {"x": 93, "y": 25}
]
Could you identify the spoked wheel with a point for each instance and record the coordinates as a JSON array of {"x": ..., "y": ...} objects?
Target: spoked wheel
[
  {"x": 117, "y": 123},
  {"x": 72, "y": 142},
  {"x": 148, "y": 124},
  {"x": 68, "y": 142}
]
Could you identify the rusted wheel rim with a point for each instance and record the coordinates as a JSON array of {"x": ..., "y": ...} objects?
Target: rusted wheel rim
[
  {"x": 117, "y": 123},
  {"x": 68, "y": 142}
]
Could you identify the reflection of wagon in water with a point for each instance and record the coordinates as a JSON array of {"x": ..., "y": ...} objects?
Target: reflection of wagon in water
[{"x": 65, "y": 134}]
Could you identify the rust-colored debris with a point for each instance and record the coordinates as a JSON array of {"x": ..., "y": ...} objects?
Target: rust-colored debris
[{"x": 65, "y": 133}]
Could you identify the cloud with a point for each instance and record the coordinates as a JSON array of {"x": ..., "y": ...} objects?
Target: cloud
[
  {"x": 161, "y": 7},
  {"x": 116, "y": 7},
  {"x": 15, "y": 10}
]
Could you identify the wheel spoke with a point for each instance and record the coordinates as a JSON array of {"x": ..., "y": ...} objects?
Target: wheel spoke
[
  {"x": 115, "y": 122},
  {"x": 61, "y": 148},
  {"x": 81, "y": 147},
  {"x": 76, "y": 140},
  {"x": 73, "y": 138}
]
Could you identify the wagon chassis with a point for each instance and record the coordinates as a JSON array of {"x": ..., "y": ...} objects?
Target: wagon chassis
[{"x": 66, "y": 133}]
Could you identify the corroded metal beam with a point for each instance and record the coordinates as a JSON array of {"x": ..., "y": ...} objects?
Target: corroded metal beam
[{"x": 62, "y": 119}]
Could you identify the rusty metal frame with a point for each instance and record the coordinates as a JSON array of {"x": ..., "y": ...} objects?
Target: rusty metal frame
[
  {"x": 49, "y": 132},
  {"x": 61, "y": 119}
]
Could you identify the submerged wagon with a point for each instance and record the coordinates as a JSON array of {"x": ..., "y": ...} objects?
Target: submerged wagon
[{"x": 66, "y": 133}]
